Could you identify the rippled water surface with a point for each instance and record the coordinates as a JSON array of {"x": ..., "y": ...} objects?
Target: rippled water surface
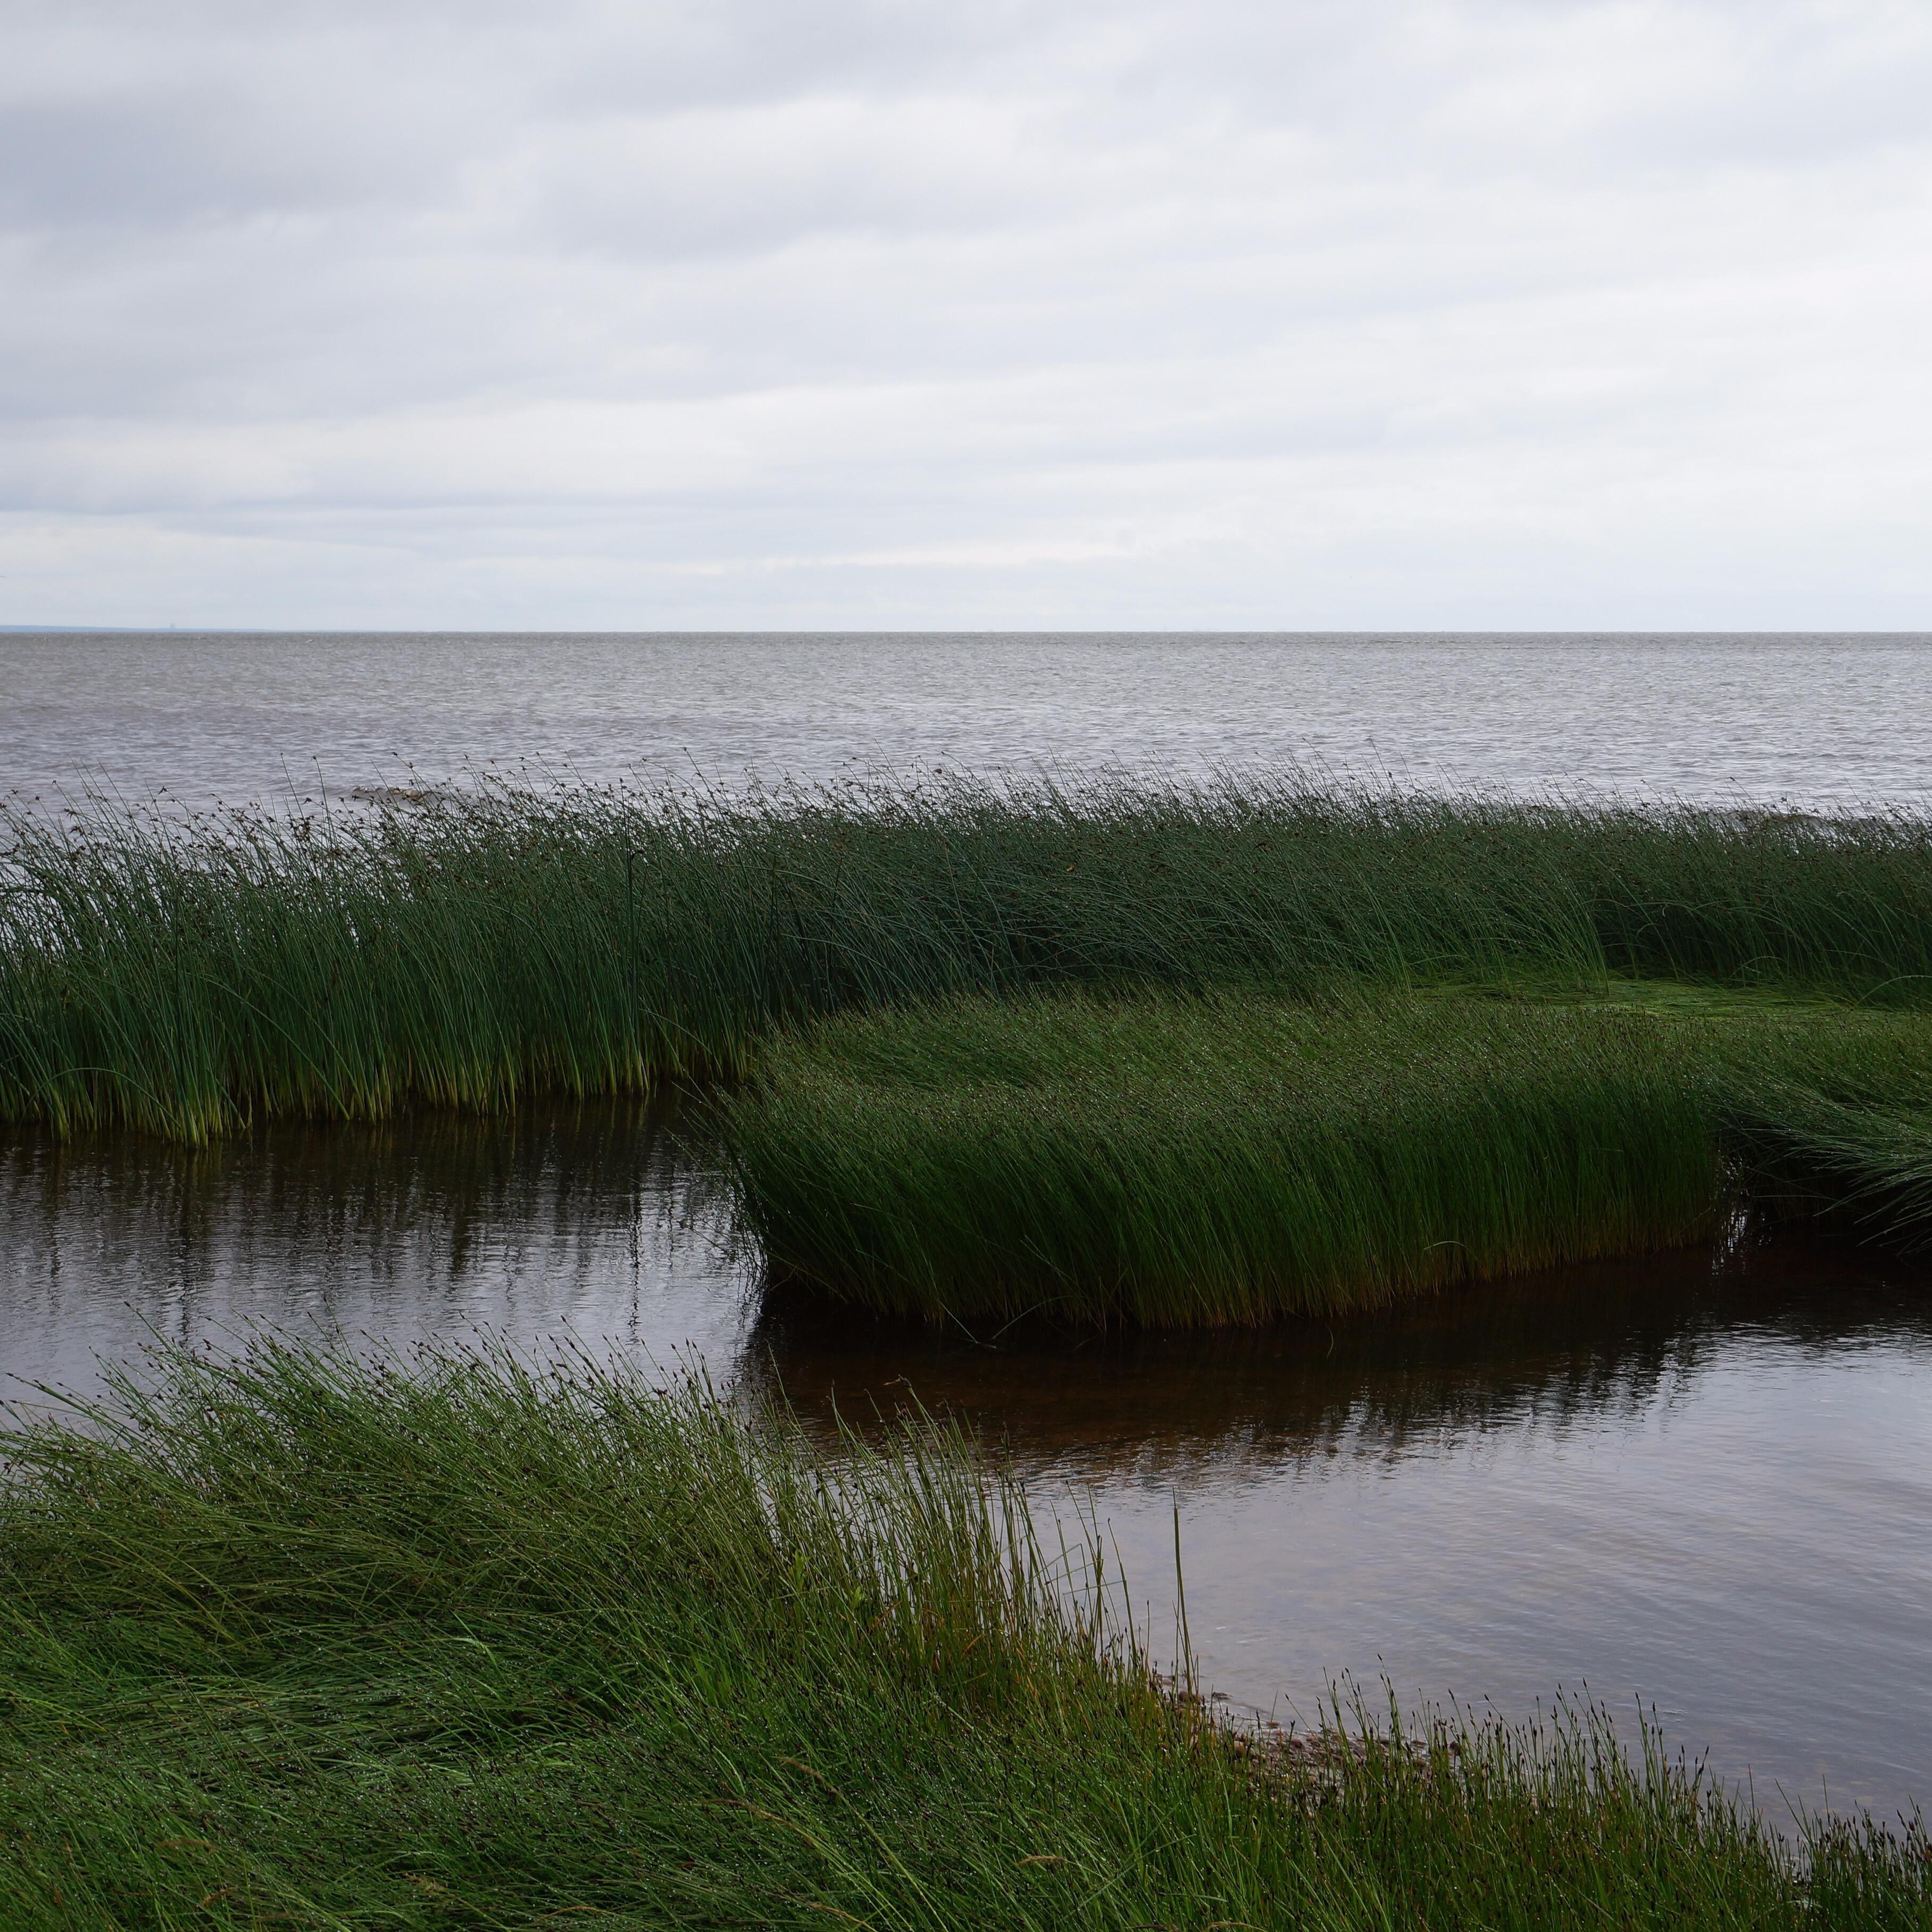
[
  {"x": 1707, "y": 1479},
  {"x": 239, "y": 717}
]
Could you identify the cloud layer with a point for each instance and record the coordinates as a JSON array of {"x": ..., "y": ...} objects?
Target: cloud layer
[{"x": 1435, "y": 313}]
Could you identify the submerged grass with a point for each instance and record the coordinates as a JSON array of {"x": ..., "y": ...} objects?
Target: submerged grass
[
  {"x": 1239, "y": 1156},
  {"x": 184, "y": 976},
  {"x": 292, "y": 1641}
]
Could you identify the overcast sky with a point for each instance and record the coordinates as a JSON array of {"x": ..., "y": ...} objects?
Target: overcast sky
[{"x": 1220, "y": 313}]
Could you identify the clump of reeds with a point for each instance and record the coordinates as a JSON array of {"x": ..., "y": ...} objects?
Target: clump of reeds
[
  {"x": 1225, "y": 1160},
  {"x": 464, "y": 948},
  {"x": 1238, "y": 1157},
  {"x": 292, "y": 1641}
]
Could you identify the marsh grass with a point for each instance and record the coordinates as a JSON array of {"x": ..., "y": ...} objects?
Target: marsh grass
[
  {"x": 1828, "y": 1117},
  {"x": 1230, "y": 1159},
  {"x": 290, "y": 1640},
  {"x": 184, "y": 976},
  {"x": 1236, "y": 1157}
]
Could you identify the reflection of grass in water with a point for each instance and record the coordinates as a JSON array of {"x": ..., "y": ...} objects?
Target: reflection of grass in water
[
  {"x": 293, "y": 1642},
  {"x": 1237, "y": 1157},
  {"x": 1570, "y": 1349},
  {"x": 470, "y": 949},
  {"x": 367, "y": 1182}
]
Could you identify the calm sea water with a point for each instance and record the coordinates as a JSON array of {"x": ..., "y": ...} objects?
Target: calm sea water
[
  {"x": 1809, "y": 719},
  {"x": 1705, "y": 1482}
]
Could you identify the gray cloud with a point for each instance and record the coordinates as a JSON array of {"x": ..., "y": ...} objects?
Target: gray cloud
[{"x": 1425, "y": 311}]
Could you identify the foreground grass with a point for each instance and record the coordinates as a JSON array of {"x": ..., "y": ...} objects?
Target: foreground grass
[
  {"x": 186, "y": 978},
  {"x": 1239, "y": 1156},
  {"x": 293, "y": 1642}
]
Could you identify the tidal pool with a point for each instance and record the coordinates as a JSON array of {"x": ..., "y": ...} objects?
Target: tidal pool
[{"x": 1704, "y": 1480}]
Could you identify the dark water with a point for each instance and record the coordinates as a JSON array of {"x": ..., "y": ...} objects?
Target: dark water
[
  {"x": 1805, "y": 719},
  {"x": 1706, "y": 1479}
]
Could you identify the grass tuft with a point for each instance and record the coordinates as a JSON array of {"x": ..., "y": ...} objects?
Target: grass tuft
[
  {"x": 1224, "y": 1160},
  {"x": 1232, "y": 1159}
]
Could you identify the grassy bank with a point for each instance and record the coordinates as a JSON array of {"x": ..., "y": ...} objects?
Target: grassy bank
[
  {"x": 1236, "y": 1157},
  {"x": 186, "y": 978},
  {"x": 293, "y": 1642}
]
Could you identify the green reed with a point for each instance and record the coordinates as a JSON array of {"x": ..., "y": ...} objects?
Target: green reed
[
  {"x": 292, "y": 1641},
  {"x": 1224, "y": 1159},
  {"x": 184, "y": 976},
  {"x": 1237, "y": 1157},
  {"x": 1828, "y": 1116}
]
